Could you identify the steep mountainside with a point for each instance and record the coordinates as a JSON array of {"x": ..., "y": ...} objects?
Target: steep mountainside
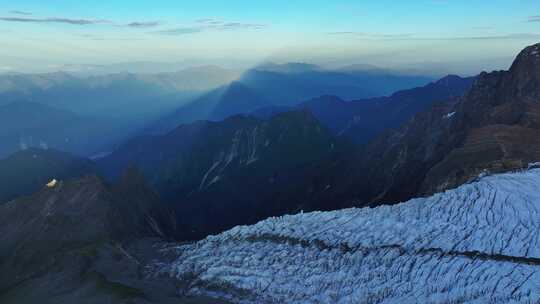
[
  {"x": 391, "y": 112},
  {"x": 25, "y": 172},
  {"x": 82, "y": 241},
  {"x": 362, "y": 120},
  {"x": 199, "y": 169},
  {"x": 238, "y": 171},
  {"x": 495, "y": 127},
  {"x": 474, "y": 244}
]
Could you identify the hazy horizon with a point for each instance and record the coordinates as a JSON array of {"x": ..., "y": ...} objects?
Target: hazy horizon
[{"x": 434, "y": 36}]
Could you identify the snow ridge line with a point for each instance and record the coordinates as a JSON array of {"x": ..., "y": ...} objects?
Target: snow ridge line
[{"x": 345, "y": 248}]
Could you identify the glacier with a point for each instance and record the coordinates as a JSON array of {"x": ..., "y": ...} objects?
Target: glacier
[{"x": 478, "y": 243}]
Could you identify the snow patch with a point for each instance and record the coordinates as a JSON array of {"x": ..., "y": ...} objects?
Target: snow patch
[
  {"x": 535, "y": 165},
  {"x": 214, "y": 166},
  {"x": 52, "y": 183},
  {"x": 449, "y": 115},
  {"x": 214, "y": 180}
]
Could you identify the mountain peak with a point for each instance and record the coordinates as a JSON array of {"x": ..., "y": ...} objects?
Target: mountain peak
[
  {"x": 529, "y": 54},
  {"x": 528, "y": 60},
  {"x": 448, "y": 80},
  {"x": 525, "y": 72}
]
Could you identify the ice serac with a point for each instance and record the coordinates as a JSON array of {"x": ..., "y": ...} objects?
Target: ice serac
[{"x": 478, "y": 243}]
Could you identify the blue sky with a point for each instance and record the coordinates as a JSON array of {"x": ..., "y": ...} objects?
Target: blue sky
[{"x": 454, "y": 34}]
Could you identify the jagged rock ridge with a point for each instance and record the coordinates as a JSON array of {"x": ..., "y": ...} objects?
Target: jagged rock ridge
[
  {"x": 216, "y": 175},
  {"x": 495, "y": 127},
  {"x": 80, "y": 241}
]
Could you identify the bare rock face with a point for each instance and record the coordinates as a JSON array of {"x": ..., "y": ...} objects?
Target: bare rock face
[
  {"x": 81, "y": 241},
  {"x": 523, "y": 80},
  {"x": 495, "y": 127},
  {"x": 500, "y": 116},
  {"x": 216, "y": 175}
]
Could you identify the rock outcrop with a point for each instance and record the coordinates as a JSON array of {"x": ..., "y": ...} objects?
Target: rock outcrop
[
  {"x": 81, "y": 241},
  {"x": 495, "y": 127}
]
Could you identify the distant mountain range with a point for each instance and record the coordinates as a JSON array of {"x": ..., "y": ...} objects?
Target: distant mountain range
[
  {"x": 288, "y": 84},
  {"x": 134, "y": 92},
  {"x": 285, "y": 85},
  {"x": 364, "y": 119},
  {"x": 121, "y": 95},
  {"x": 95, "y": 112},
  {"x": 123, "y": 104},
  {"x": 32, "y": 124},
  {"x": 235, "y": 98}
]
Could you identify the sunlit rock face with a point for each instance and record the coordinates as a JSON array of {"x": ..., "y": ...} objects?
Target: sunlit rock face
[
  {"x": 478, "y": 243},
  {"x": 52, "y": 183}
]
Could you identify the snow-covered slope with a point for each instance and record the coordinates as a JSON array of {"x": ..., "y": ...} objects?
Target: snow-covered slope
[{"x": 478, "y": 243}]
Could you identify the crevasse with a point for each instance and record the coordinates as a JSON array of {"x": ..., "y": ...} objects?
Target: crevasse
[{"x": 478, "y": 243}]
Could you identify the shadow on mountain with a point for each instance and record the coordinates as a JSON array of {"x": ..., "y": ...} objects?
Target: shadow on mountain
[{"x": 284, "y": 85}]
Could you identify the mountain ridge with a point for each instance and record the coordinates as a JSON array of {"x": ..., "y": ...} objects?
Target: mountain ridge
[
  {"x": 491, "y": 128},
  {"x": 363, "y": 120},
  {"x": 245, "y": 167}
]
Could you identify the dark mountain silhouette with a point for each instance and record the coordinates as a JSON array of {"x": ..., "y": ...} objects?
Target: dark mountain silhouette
[
  {"x": 284, "y": 86},
  {"x": 362, "y": 120},
  {"x": 379, "y": 114},
  {"x": 288, "y": 84},
  {"x": 220, "y": 174},
  {"x": 200, "y": 167}
]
